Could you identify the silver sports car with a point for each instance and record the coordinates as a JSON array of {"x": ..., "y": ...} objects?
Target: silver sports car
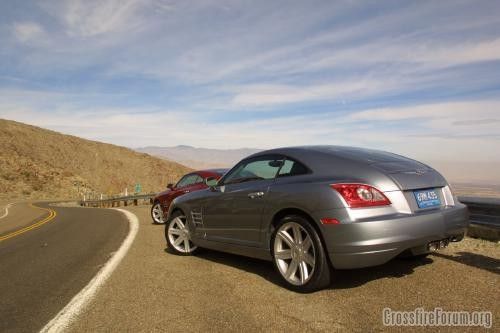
[{"x": 317, "y": 208}]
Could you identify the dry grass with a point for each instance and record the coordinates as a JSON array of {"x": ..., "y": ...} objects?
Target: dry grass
[{"x": 38, "y": 163}]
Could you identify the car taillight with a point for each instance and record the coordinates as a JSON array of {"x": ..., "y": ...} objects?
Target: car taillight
[
  {"x": 329, "y": 220},
  {"x": 361, "y": 195}
]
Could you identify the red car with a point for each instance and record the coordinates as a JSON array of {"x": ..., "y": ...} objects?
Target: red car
[{"x": 193, "y": 181}]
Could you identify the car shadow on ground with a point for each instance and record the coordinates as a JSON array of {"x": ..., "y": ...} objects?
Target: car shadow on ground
[
  {"x": 259, "y": 267},
  {"x": 342, "y": 279},
  {"x": 474, "y": 260},
  {"x": 394, "y": 269}
]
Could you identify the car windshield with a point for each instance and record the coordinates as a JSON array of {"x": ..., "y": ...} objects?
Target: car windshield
[{"x": 188, "y": 180}]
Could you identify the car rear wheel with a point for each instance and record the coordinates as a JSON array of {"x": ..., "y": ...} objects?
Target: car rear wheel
[
  {"x": 178, "y": 236},
  {"x": 157, "y": 213},
  {"x": 298, "y": 255}
]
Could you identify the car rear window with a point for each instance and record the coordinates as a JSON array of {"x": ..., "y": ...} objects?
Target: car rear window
[{"x": 292, "y": 168}]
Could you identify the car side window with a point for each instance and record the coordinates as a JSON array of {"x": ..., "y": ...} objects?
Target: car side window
[
  {"x": 255, "y": 169},
  {"x": 292, "y": 168},
  {"x": 187, "y": 180},
  {"x": 198, "y": 180}
]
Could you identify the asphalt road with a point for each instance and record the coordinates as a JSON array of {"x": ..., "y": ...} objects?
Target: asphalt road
[
  {"x": 17, "y": 216},
  {"x": 42, "y": 268},
  {"x": 154, "y": 291}
]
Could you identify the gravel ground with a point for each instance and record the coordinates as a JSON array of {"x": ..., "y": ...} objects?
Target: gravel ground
[{"x": 152, "y": 290}]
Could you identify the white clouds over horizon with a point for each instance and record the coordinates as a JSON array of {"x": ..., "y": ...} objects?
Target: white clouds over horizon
[{"x": 437, "y": 128}]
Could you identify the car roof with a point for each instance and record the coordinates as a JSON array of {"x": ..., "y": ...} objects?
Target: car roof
[
  {"x": 344, "y": 152},
  {"x": 211, "y": 172}
]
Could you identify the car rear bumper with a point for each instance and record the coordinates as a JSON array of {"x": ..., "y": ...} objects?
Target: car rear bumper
[{"x": 371, "y": 243}]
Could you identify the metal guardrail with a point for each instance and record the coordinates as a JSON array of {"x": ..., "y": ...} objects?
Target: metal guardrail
[
  {"x": 117, "y": 201},
  {"x": 483, "y": 211}
]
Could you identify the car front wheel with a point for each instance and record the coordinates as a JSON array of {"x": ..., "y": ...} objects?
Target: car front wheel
[
  {"x": 157, "y": 213},
  {"x": 178, "y": 236},
  {"x": 298, "y": 255}
]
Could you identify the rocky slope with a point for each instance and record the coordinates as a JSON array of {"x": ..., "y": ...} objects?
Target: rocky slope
[{"x": 39, "y": 163}]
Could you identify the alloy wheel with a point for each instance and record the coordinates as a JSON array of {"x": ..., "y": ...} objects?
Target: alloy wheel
[
  {"x": 157, "y": 214},
  {"x": 294, "y": 253},
  {"x": 179, "y": 235}
]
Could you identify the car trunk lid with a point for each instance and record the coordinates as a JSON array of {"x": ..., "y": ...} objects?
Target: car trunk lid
[
  {"x": 408, "y": 174},
  {"x": 411, "y": 175}
]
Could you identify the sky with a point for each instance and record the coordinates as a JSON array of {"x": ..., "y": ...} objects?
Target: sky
[{"x": 419, "y": 78}]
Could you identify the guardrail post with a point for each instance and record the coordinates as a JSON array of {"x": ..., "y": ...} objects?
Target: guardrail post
[
  {"x": 135, "y": 202},
  {"x": 125, "y": 203}
]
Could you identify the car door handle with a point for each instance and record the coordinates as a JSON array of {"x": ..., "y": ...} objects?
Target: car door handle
[
  {"x": 186, "y": 191},
  {"x": 254, "y": 195}
]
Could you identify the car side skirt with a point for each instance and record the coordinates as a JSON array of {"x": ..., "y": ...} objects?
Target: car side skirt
[{"x": 248, "y": 251}]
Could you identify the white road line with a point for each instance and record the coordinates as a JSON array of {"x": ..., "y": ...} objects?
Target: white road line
[
  {"x": 70, "y": 312},
  {"x": 6, "y": 211}
]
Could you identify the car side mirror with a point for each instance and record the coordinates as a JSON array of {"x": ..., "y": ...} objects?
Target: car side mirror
[
  {"x": 170, "y": 186},
  {"x": 211, "y": 182}
]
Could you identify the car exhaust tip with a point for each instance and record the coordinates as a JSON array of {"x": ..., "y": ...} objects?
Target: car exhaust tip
[
  {"x": 437, "y": 245},
  {"x": 432, "y": 246},
  {"x": 457, "y": 238}
]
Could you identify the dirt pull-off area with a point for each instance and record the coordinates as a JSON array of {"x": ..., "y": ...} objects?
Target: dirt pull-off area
[{"x": 154, "y": 291}]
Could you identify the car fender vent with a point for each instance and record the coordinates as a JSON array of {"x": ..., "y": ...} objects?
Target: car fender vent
[{"x": 197, "y": 218}]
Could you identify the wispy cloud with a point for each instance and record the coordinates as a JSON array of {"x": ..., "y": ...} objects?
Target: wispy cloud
[
  {"x": 475, "y": 122},
  {"x": 28, "y": 32},
  {"x": 89, "y": 18},
  {"x": 268, "y": 95}
]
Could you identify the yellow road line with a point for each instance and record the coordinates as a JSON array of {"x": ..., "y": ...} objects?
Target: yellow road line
[{"x": 52, "y": 214}]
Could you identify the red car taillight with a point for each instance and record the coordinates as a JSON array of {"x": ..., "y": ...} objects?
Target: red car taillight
[{"x": 360, "y": 195}]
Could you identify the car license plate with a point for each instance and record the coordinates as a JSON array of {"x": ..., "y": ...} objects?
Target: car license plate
[{"x": 427, "y": 198}]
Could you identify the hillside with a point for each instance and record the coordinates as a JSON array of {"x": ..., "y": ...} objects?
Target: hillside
[
  {"x": 39, "y": 163},
  {"x": 200, "y": 158}
]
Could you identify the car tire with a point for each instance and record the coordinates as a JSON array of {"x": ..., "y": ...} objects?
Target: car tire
[
  {"x": 178, "y": 236},
  {"x": 299, "y": 256},
  {"x": 157, "y": 213}
]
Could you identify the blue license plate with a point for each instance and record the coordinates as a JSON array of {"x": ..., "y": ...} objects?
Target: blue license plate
[{"x": 427, "y": 198}]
